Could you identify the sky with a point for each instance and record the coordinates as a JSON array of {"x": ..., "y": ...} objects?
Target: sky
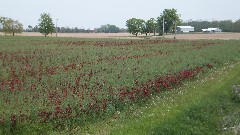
[{"x": 94, "y": 13}]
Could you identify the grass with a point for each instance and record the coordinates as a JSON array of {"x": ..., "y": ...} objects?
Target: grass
[{"x": 204, "y": 106}]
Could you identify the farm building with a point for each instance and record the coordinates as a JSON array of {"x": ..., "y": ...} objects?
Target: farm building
[
  {"x": 185, "y": 29},
  {"x": 212, "y": 30}
]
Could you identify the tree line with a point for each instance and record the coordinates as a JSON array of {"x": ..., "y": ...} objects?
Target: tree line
[
  {"x": 46, "y": 26},
  {"x": 225, "y": 25},
  {"x": 10, "y": 26},
  {"x": 163, "y": 24},
  {"x": 169, "y": 19},
  {"x": 107, "y": 28}
]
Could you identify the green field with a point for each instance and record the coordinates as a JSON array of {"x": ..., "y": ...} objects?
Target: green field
[
  {"x": 202, "y": 107},
  {"x": 55, "y": 84}
]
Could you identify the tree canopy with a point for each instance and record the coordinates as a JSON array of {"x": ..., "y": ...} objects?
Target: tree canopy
[
  {"x": 170, "y": 18},
  {"x": 108, "y": 28},
  {"x": 224, "y": 25},
  {"x": 2, "y": 19},
  {"x": 45, "y": 25},
  {"x": 151, "y": 25},
  {"x": 29, "y": 29},
  {"x": 11, "y": 26},
  {"x": 136, "y": 26}
]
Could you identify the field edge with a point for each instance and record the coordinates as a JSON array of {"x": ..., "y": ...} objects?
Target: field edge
[{"x": 143, "y": 120}]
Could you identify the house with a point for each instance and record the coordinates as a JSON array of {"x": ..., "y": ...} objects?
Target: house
[
  {"x": 185, "y": 29},
  {"x": 211, "y": 30}
]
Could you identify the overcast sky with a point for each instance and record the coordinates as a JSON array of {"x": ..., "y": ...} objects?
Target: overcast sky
[{"x": 94, "y": 13}]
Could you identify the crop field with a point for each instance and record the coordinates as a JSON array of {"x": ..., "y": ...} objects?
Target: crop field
[{"x": 65, "y": 82}]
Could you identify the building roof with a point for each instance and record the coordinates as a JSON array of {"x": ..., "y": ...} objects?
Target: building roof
[
  {"x": 211, "y": 29},
  {"x": 185, "y": 26}
]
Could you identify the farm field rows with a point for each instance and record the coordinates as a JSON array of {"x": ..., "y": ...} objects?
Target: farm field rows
[{"x": 64, "y": 82}]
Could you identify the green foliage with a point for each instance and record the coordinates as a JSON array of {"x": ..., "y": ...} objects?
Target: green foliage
[
  {"x": 30, "y": 28},
  {"x": 45, "y": 25},
  {"x": 224, "y": 25},
  {"x": 1, "y": 22},
  {"x": 35, "y": 29},
  {"x": 136, "y": 26},
  {"x": 170, "y": 18},
  {"x": 108, "y": 28},
  {"x": 236, "y": 26},
  {"x": 2, "y": 19},
  {"x": 151, "y": 25},
  {"x": 11, "y": 26},
  {"x": 33, "y": 128}
]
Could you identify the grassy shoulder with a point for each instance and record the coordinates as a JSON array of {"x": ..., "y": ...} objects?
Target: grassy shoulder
[{"x": 200, "y": 107}]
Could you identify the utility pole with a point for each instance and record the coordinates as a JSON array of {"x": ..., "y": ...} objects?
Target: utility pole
[
  {"x": 56, "y": 27},
  {"x": 163, "y": 26},
  {"x": 175, "y": 29}
]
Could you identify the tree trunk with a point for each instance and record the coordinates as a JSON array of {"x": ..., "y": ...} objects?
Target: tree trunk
[
  {"x": 13, "y": 33},
  {"x": 136, "y": 34},
  {"x": 45, "y": 35}
]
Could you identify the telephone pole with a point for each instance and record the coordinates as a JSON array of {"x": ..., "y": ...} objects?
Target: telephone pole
[
  {"x": 56, "y": 27},
  {"x": 175, "y": 29},
  {"x": 163, "y": 26}
]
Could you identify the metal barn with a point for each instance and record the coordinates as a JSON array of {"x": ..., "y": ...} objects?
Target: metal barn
[
  {"x": 185, "y": 29},
  {"x": 212, "y": 30}
]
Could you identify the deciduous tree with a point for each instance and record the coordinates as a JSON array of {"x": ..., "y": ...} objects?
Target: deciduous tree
[
  {"x": 136, "y": 26},
  {"x": 108, "y": 28},
  {"x": 30, "y": 28},
  {"x": 1, "y": 22},
  {"x": 151, "y": 26},
  {"x": 2, "y": 19},
  {"x": 170, "y": 18},
  {"x": 45, "y": 25},
  {"x": 237, "y": 26},
  {"x": 11, "y": 26}
]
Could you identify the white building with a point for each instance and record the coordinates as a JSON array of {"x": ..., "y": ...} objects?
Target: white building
[
  {"x": 185, "y": 29},
  {"x": 212, "y": 30}
]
